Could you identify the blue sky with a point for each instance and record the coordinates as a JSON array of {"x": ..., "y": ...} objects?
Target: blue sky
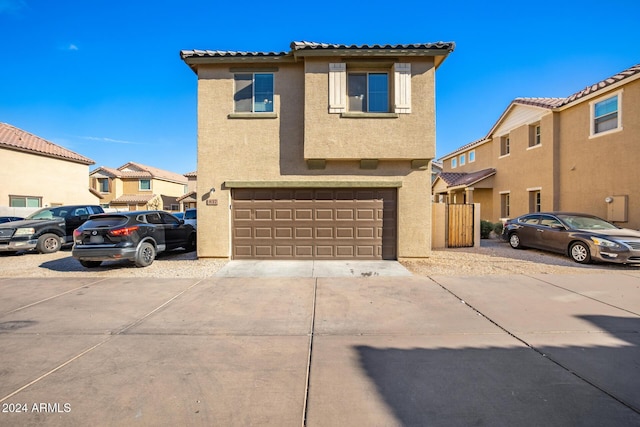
[{"x": 105, "y": 79}]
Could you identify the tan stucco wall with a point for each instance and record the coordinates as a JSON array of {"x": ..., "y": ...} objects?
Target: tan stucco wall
[
  {"x": 525, "y": 169},
  {"x": 273, "y": 149},
  {"x": 56, "y": 181},
  {"x": 592, "y": 169},
  {"x": 407, "y": 136}
]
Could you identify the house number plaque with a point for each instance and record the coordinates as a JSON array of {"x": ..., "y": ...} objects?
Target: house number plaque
[{"x": 212, "y": 202}]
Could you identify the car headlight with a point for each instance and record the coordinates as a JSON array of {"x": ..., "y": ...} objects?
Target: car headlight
[
  {"x": 605, "y": 243},
  {"x": 27, "y": 231}
]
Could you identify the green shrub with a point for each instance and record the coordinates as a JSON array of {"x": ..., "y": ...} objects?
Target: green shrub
[
  {"x": 497, "y": 228},
  {"x": 485, "y": 229}
]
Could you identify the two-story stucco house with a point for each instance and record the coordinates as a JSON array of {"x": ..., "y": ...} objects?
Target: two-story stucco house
[
  {"x": 578, "y": 153},
  {"x": 37, "y": 173},
  {"x": 134, "y": 186},
  {"x": 321, "y": 152}
]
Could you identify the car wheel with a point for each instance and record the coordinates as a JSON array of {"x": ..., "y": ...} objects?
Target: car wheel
[
  {"x": 90, "y": 264},
  {"x": 514, "y": 241},
  {"x": 191, "y": 243},
  {"x": 579, "y": 252},
  {"x": 48, "y": 243},
  {"x": 145, "y": 255}
]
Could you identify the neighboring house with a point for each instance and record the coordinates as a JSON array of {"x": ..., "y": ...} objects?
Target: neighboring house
[
  {"x": 322, "y": 152},
  {"x": 37, "y": 173},
  {"x": 578, "y": 153},
  {"x": 190, "y": 199},
  {"x": 436, "y": 169},
  {"x": 134, "y": 186}
]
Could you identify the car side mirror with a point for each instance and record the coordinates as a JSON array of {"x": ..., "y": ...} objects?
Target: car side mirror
[{"x": 557, "y": 227}]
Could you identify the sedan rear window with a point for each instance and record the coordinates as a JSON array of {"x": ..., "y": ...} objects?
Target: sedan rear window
[{"x": 106, "y": 221}]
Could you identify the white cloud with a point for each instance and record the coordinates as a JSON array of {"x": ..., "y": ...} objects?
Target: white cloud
[
  {"x": 72, "y": 47},
  {"x": 110, "y": 140}
]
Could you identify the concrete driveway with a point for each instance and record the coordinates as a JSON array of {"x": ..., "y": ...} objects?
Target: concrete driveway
[{"x": 322, "y": 351}]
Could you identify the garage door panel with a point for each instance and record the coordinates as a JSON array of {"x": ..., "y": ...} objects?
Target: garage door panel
[{"x": 314, "y": 223}]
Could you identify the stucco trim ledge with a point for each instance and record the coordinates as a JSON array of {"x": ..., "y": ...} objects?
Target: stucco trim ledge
[{"x": 312, "y": 184}]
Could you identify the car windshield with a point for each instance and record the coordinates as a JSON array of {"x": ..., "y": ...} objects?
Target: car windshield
[
  {"x": 587, "y": 222},
  {"x": 46, "y": 214}
]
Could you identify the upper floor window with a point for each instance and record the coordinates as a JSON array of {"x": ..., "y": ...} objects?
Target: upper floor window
[
  {"x": 605, "y": 115},
  {"x": 505, "y": 147},
  {"x": 454, "y": 163},
  {"x": 472, "y": 156},
  {"x": 253, "y": 93},
  {"x": 463, "y": 159},
  {"x": 368, "y": 92},
  {"x": 381, "y": 90},
  {"x": 534, "y": 136},
  {"x": 103, "y": 185},
  {"x": 145, "y": 184}
]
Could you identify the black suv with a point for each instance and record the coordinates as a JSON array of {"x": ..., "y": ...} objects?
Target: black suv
[
  {"x": 135, "y": 236},
  {"x": 45, "y": 230}
]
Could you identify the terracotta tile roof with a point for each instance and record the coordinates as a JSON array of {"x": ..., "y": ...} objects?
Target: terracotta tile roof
[
  {"x": 189, "y": 197},
  {"x": 16, "y": 139},
  {"x": 138, "y": 170},
  {"x": 629, "y": 72},
  {"x": 455, "y": 179},
  {"x": 305, "y": 45},
  {"x": 296, "y": 46},
  {"x": 555, "y": 103},
  {"x": 133, "y": 198},
  {"x": 193, "y": 174},
  {"x": 541, "y": 102}
]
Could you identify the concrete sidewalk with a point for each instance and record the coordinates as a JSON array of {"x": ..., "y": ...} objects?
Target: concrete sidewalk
[
  {"x": 312, "y": 268},
  {"x": 340, "y": 351}
]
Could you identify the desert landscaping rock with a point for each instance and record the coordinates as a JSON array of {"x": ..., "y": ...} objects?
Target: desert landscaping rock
[{"x": 493, "y": 257}]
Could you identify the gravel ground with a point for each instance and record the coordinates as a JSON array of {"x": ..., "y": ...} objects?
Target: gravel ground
[{"x": 493, "y": 257}]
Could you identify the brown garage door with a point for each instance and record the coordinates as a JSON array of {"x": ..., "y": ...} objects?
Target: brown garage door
[{"x": 314, "y": 223}]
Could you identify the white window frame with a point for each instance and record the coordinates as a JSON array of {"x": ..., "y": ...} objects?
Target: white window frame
[
  {"x": 472, "y": 156},
  {"x": 505, "y": 139},
  {"x": 506, "y": 211},
  {"x": 535, "y": 136},
  {"x": 145, "y": 189},
  {"x": 463, "y": 159},
  {"x": 399, "y": 88},
  {"x": 454, "y": 163},
  {"x": 592, "y": 118}
]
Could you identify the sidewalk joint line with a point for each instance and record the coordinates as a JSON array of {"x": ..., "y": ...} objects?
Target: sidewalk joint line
[
  {"x": 107, "y": 339},
  {"x": 545, "y": 356},
  {"x": 311, "y": 334},
  {"x": 51, "y": 297}
]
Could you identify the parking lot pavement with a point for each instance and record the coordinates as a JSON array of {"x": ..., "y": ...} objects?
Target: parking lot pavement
[{"x": 515, "y": 350}]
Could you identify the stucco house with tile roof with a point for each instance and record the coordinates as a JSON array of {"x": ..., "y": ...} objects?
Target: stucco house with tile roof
[
  {"x": 319, "y": 152},
  {"x": 578, "y": 153},
  {"x": 134, "y": 186},
  {"x": 38, "y": 173}
]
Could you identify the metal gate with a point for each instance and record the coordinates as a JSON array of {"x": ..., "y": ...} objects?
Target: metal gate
[{"x": 459, "y": 226}]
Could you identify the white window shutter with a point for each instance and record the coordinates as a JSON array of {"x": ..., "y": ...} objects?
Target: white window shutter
[
  {"x": 337, "y": 87},
  {"x": 402, "y": 88}
]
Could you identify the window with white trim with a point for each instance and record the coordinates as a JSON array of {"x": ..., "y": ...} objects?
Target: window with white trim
[
  {"x": 463, "y": 159},
  {"x": 534, "y": 135},
  {"x": 472, "y": 156},
  {"x": 454, "y": 163},
  {"x": 25, "y": 202},
  {"x": 605, "y": 115},
  {"x": 505, "y": 145},
  {"x": 253, "y": 93},
  {"x": 144, "y": 185},
  {"x": 353, "y": 90},
  {"x": 368, "y": 92},
  {"x": 534, "y": 201},
  {"x": 505, "y": 200}
]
